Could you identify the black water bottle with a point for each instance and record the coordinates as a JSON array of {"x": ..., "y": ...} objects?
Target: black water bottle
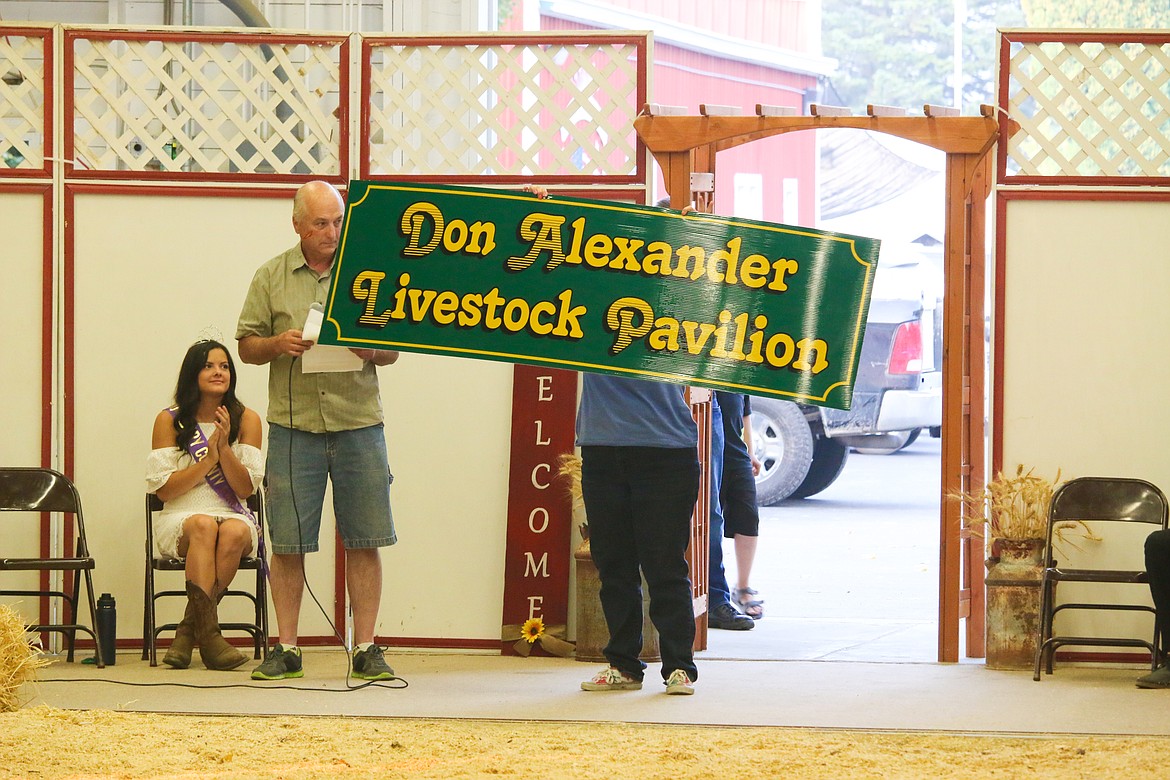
[{"x": 107, "y": 626}]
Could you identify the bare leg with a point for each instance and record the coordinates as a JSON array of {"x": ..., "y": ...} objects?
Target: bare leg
[
  {"x": 363, "y": 579},
  {"x": 287, "y": 581},
  {"x": 197, "y": 545},
  {"x": 745, "y": 555},
  {"x": 234, "y": 539}
]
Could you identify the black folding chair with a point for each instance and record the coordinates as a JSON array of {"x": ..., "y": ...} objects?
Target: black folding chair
[
  {"x": 1104, "y": 503},
  {"x": 258, "y": 597},
  {"x": 24, "y": 493}
]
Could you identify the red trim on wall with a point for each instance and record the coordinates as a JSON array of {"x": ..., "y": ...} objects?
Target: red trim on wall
[
  {"x": 998, "y": 298},
  {"x": 1080, "y": 193},
  {"x": 1099, "y": 658},
  {"x": 343, "y": 92},
  {"x": 523, "y": 39},
  {"x": 1084, "y": 181},
  {"x": 364, "y": 102},
  {"x": 340, "y": 591},
  {"x": 47, "y": 314},
  {"x": 427, "y": 643},
  {"x": 1002, "y": 99},
  {"x": 1082, "y": 36},
  {"x": 67, "y": 340},
  {"x": 188, "y": 35},
  {"x": 184, "y": 189},
  {"x": 76, "y": 174}
]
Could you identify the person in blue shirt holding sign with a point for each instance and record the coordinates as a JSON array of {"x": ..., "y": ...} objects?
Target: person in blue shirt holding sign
[
  {"x": 204, "y": 464},
  {"x": 640, "y": 481}
]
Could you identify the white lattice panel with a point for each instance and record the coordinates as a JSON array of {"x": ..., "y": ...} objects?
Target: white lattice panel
[
  {"x": 22, "y": 101},
  {"x": 206, "y": 106},
  {"x": 1090, "y": 109},
  {"x": 546, "y": 109}
]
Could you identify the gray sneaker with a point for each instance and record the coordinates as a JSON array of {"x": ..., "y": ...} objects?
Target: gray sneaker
[
  {"x": 370, "y": 665},
  {"x": 1159, "y": 678},
  {"x": 279, "y": 664}
]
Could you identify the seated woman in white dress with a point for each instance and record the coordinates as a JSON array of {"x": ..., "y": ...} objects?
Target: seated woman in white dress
[{"x": 204, "y": 464}]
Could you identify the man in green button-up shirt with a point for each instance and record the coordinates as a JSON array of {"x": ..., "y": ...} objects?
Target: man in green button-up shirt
[{"x": 321, "y": 426}]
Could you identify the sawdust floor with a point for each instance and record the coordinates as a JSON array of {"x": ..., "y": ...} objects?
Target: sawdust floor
[{"x": 40, "y": 742}]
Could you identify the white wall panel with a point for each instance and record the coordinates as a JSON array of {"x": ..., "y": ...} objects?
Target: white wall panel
[
  {"x": 153, "y": 275},
  {"x": 1086, "y": 363},
  {"x": 448, "y": 423},
  {"x": 1086, "y": 366},
  {"x": 21, "y": 220},
  {"x": 21, "y": 217}
]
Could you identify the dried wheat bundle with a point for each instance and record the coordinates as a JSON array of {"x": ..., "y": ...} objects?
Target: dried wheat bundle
[
  {"x": 19, "y": 660},
  {"x": 569, "y": 467},
  {"x": 1012, "y": 507}
]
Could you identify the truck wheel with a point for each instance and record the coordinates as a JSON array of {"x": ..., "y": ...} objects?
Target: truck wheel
[
  {"x": 783, "y": 443},
  {"x": 828, "y": 460}
]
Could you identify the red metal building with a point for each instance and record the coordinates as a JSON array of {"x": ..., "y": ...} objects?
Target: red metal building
[{"x": 730, "y": 54}]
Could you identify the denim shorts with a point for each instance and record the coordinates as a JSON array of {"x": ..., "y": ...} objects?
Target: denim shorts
[{"x": 355, "y": 461}]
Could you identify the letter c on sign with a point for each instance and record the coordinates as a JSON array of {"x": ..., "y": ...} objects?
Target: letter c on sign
[{"x": 536, "y": 468}]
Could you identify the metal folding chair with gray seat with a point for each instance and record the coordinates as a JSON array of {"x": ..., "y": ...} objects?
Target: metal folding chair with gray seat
[
  {"x": 28, "y": 492},
  {"x": 1102, "y": 503},
  {"x": 258, "y": 597}
]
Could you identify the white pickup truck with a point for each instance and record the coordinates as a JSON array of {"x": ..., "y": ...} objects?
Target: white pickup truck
[{"x": 897, "y": 392}]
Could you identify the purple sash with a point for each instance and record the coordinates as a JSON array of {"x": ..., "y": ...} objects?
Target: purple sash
[{"x": 197, "y": 448}]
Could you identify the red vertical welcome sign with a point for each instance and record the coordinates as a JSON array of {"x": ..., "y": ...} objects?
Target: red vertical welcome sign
[{"x": 537, "y": 556}]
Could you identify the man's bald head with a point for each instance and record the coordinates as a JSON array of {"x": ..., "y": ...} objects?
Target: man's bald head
[{"x": 316, "y": 217}]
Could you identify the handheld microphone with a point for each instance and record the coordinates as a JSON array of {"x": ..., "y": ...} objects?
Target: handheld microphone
[{"x": 312, "y": 330}]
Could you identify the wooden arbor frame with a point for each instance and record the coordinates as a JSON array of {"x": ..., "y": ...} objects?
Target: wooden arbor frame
[{"x": 683, "y": 145}]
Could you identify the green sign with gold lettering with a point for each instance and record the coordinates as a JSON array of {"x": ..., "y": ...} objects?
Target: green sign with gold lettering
[{"x": 605, "y": 286}]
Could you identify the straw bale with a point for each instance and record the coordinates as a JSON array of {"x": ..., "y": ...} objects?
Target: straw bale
[{"x": 19, "y": 659}]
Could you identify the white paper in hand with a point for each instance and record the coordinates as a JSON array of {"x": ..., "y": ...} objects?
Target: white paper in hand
[
  {"x": 312, "y": 330},
  {"x": 322, "y": 358}
]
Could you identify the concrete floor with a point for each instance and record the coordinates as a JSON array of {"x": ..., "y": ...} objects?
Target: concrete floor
[
  {"x": 966, "y": 698},
  {"x": 850, "y": 574}
]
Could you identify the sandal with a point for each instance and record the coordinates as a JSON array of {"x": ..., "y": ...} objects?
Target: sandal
[{"x": 744, "y": 598}]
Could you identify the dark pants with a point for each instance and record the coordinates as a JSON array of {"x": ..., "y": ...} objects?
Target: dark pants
[
  {"x": 718, "y": 591},
  {"x": 1158, "y": 569},
  {"x": 737, "y": 496},
  {"x": 638, "y": 502}
]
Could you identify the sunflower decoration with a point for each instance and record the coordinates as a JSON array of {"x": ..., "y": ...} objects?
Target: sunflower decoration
[
  {"x": 532, "y": 630},
  {"x": 534, "y": 633}
]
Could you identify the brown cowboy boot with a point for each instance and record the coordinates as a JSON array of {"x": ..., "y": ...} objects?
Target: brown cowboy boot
[
  {"x": 214, "y": 650},
  {"x": 179, "y": 653}
]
